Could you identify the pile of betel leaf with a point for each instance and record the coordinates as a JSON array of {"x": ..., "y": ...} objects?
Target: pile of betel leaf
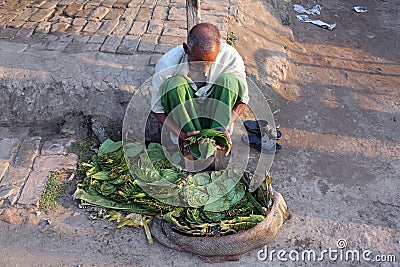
[
  {"x": 144, "y": 182},
  {"x": 204, "y": 144}
]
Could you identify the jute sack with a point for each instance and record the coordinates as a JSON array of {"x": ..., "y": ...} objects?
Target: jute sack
[{"x": 235, "y": 244}]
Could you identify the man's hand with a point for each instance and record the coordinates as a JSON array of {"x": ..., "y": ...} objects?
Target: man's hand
[
  {"x": 164, "y": 120},
  {"x": 183, "y": 136},
  {"x": 228, "y": 137},
  {"x": 237, "y": 110}
]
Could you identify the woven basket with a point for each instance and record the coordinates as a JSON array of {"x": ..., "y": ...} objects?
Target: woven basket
[{"x": 230, "y": 245}]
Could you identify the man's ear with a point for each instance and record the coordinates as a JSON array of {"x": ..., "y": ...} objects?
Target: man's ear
[{"x": 186, "y": 48}]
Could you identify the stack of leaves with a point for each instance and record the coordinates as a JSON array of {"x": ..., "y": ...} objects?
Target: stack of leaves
[
  {"x": 204, "y": 144},
  {"x": 144, "y": 181},
  {"x": 109, "y": 183}
]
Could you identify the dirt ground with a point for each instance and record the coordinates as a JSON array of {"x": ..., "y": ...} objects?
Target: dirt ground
[{"x": 338, "y": 98}]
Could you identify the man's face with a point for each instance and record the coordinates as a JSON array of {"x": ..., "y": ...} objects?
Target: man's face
[{"x": 200, "y": 61}]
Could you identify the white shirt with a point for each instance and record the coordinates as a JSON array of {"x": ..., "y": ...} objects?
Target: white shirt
[{"x": 175, "y": 62}]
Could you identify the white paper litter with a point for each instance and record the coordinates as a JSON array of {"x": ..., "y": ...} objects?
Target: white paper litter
[
  {"x": 360, "y": 9},
  {"x": 305, "y": 18},
  {"x": 316, "y": 10}
]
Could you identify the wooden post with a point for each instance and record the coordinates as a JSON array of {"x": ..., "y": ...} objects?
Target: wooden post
[{"x": 192, "y": 13}]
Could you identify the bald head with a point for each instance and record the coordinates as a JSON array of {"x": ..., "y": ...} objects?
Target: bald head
[{"x": 205, "y": 37}]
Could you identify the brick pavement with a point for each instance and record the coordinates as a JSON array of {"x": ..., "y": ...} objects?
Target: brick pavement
[
  {"x": 25, "y": 165},
  {"x": 110, "y": 26}
]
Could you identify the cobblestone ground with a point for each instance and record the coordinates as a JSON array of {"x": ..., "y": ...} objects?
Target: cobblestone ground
[
  {"x": 111, "y": 26},
  {"x": 127, "y": 27},
  {"x": 25, "y": 165}
]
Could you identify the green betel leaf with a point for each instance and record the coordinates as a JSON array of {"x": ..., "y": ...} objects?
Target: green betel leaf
[
  {"x": 160, "y": 183},
  {"x": 109, "y": 146},
  {"x": 217, "y": 206},
  {"x": 215, "y": 191},
  {"x": 169, "y": 175},
  {"x": 193, "y": 215},
  {"x": 133, "y": 149},
  {"x": 195, "y": 196},
  {"x": 214, "y": 216},
  {"x": 235, "y": 174},
  {"x": 147, "y": 173},
  {"x": 206, "y": 150},
  {"x": 229, "y": 183},
  {"x": 235, "y": 194},
  {"x": 101, "y": 201},
  {"x": 220, "y": 185},
  {"x": 155, "y": 146},
  {"x": 229, "y": 179},
  {"x": 102, "y": 176},
  {"x": 201, "y": 178},
  {"x": 203, "y": 148},
  {"x": 197, "y": 200},
  {"x": 168, "y": 197},
  {"x": 215, "y": 175},
  {"x": 214, "y": 136},
  {"x": 94, "y": 188},
  {"x": 107, "y": 189},
  {"x": 105, "y": 146},
  {"x": 220, "y": 178},
  {"x": 155, "y": 152}
]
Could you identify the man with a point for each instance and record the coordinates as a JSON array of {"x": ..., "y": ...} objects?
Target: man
[{"x": 199, "y": 85}]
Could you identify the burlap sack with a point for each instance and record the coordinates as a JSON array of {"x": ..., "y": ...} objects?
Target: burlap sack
[{"x": 235, "y": 244}]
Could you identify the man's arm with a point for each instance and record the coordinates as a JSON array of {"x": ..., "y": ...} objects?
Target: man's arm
[
  {"x": 164, "y": 120},
  {"x": 236, "y": 112}
]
